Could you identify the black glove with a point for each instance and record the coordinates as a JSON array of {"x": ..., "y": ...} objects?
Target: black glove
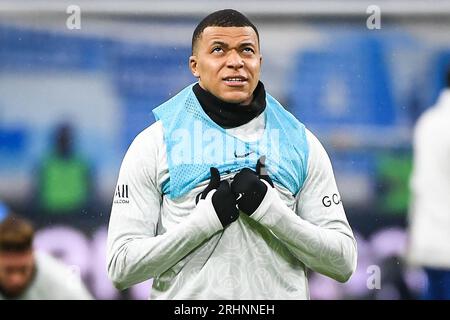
[
  {"x": 223, "y": 199},
  {"x": 248, "y": 187}
]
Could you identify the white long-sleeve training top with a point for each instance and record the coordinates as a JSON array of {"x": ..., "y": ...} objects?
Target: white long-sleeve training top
[
  {"x": 184, "y": 248},
  {"x": 429, "y": 214}
]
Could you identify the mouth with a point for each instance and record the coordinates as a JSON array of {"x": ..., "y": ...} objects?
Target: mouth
[{"x": 235, "y": 81}]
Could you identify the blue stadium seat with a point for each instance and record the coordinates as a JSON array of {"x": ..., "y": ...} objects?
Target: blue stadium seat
[
  {"x": 145, "y": 76},
  {"x": 12, "y": 141},
  {"x": 438, "y": 73},
  {"x": 345, "y": 83}
]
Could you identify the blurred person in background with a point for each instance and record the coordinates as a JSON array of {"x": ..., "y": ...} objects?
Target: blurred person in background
[
  {"x": 429, "y": 243},
  {"x": 231, "y": 226},
  {"x": 64, "y": 183},
  {"x": 29, "y": 275}
]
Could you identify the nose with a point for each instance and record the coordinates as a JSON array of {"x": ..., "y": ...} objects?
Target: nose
[{"x": 234, "y": 60}]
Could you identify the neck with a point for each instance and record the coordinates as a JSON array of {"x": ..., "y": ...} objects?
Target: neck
[{"x": 231, "y": 115}]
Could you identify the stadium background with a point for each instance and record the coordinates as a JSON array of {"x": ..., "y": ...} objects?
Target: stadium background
[{"x": 359, "y": 90}]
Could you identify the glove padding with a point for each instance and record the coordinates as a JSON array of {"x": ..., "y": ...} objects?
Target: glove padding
[
  {"x": 223, "y": 200},
  {"x": 248, "y": 187}
]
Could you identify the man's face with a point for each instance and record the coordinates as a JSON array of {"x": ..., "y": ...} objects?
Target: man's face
[
  {"x": 16, "y": 272},
  {"x": 227, "y": 62}
]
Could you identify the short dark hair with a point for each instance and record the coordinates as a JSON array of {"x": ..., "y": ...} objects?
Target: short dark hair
[
  {"x": 16, "y": 234},
  {"x": 222, "y": 18}
]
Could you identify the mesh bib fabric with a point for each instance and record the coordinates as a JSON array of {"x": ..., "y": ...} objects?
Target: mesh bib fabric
[{"x": 195, "y": 143}]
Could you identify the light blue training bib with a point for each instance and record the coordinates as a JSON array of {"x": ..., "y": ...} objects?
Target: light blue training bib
[{"x": 194, "y": 143}]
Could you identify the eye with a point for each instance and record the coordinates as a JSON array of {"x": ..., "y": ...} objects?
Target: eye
[
  {"x": 248, "y": 49},
  {"x": 217, "y": 49}
]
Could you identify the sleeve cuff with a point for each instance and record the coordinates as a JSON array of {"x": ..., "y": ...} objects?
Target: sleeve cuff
[
  {"x": 205, "y": 216},
  {"x": 261, "y": 211}
]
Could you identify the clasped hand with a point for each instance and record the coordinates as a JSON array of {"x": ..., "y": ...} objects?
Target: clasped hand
[{"x": 245, "y": 193}]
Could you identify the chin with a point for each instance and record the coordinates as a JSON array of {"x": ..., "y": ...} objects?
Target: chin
[
  {"x": 14, "y": 293},
  {"x": 235, "y": 98}
]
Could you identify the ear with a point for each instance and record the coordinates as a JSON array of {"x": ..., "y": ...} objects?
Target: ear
[{"x": 193, "y": 66}]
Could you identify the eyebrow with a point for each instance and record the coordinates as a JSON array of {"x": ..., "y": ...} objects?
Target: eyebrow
[
  {"x": 246, "y": 44},
  {"x": 225, "y": 45}
]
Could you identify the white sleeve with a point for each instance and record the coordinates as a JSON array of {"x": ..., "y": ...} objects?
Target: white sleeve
[
  {"x": 56, "y": 281},
  {"x": 318, "y": 234},
  {"x": 135, "y": 252}
]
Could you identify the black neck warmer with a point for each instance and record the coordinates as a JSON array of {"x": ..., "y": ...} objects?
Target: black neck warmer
[{"x": 231, "y": 115}]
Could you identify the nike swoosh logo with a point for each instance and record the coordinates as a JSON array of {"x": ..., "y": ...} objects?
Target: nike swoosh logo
[{"x": 243, "y": 155}]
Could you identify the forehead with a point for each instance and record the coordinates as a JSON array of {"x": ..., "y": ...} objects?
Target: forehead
[{"x": 229, "y": 35}]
